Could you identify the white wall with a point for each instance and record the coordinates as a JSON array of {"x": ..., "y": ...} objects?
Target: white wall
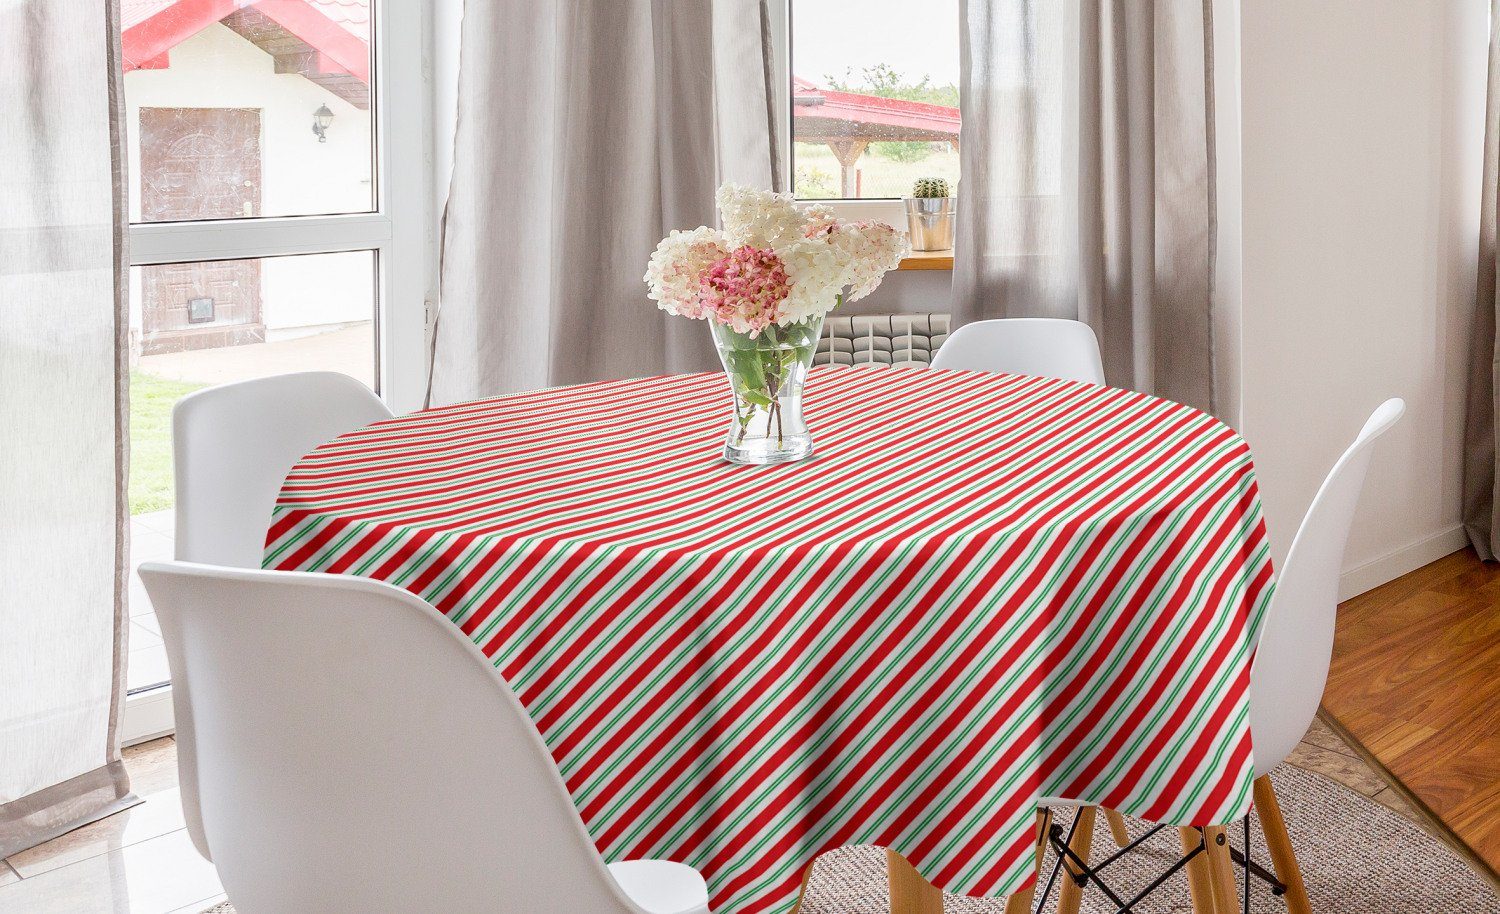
[
  {"x": 216, "y": 68},
  {"x": 908, "y": 292},
  {"x": 1361, "y": 133}
]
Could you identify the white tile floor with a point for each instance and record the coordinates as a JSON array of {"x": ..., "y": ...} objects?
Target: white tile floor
[
  {"x": 151, "y": 540},
  {"x": 140, "y": 861}
]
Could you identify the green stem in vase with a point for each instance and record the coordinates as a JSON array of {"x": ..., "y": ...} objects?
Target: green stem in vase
[
  {"x": 773, "y": 371},
  {"x": 742, "y": 418}
]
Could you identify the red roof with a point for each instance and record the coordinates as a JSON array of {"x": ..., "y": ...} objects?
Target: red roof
[
  {"x": 896, "y": 117},
  {"x": 339, "y": 30}
]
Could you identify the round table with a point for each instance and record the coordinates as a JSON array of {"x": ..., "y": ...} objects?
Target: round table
[{"x": 983, "y": 589}]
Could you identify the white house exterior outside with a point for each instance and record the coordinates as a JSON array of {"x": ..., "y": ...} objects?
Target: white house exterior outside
[{"x": 215, "y": 83}]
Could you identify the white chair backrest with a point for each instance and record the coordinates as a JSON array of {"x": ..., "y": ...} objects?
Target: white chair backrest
[
  {"x": 1296, "y": 639},
  {"x": 1045, "y": 347},
  {"x": 233, "y": 445},
  {"x": 346, "y": 748}
]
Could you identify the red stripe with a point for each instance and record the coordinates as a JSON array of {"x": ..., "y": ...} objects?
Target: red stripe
[
  {"x": 1124, "y": 731},
  {"x": 708, "y": 513},
  {"x": 853, "y": 520},
  {"x": 942, "y": 829},
  {"x": 545, "y": 468}
]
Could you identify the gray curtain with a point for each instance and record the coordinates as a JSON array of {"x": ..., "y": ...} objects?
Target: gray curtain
[
  {"x": 1481, "y": 475},
  {"x": 587, "y": 129},
  {"x": 63, "y": 385},
  {"x": 1087, "y": 179}
]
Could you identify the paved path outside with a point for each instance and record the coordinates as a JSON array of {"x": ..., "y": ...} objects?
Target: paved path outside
[{"x": 348, "y": 349}]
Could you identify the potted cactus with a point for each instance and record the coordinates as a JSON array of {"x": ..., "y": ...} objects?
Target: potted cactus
[{"x": 930, "y": 212}]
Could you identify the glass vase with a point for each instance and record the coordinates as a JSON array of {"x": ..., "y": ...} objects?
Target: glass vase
[{"x": 766, "y": 373}]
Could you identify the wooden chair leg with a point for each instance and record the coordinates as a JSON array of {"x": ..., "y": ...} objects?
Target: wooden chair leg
[
  {"x": 1071, "y": 895},
  {"x": 1117, "y": 827},
  {"x": 1200, "y": 880},
  {"x": 910, "y": 893},
  {"x": 1221, "y": 871},
  {"x": 1283, "y": 858},
  {"x": 1021, "y": 902},
  {"x": 802, "y": 892}
]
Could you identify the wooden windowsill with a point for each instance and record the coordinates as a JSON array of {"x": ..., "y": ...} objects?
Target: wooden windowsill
[{"x": 927, "y": 260}]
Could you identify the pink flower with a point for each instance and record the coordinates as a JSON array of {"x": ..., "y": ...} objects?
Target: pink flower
[
  {"x": 677, "y": 268},
  {"x": 744, "y": 289}
]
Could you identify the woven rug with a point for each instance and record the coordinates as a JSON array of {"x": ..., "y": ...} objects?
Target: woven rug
[{"x": 1357, "y": 856}]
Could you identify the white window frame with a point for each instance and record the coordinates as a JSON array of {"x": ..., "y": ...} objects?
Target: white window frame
[
  {"x": 892, "y": 210},
  {"x": 393, "y": 230},
  {"x": 398, "y": 230}
]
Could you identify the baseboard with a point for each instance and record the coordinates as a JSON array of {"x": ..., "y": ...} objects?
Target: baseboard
[
  {"x": 148, "y": 715},
  {"x": 1408, "y": 558}
]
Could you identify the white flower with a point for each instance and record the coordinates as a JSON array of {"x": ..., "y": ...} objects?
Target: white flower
[
  {"x": 759, "y": 218},
  {"x": 677, "y": 267},
  {"x": 818, "y": 271},
  {"x": 873, "y": 249},
  {"x": 819, "y": 218}
]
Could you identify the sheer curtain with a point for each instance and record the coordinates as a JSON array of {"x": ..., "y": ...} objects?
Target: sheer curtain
[
  {"x": 62, "y": 419},
  {"x": 587, "y": 129},
  {"x": 1087, "y": 189}
]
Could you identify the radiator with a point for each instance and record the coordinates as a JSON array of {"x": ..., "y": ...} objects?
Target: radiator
[{"x": 901, "y": 340}]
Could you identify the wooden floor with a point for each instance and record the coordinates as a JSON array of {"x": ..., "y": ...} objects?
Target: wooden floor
[{"x": 1415, "y": 688}]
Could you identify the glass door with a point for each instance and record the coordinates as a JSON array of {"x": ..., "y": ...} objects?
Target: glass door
[{"x": 260, "y": 136}]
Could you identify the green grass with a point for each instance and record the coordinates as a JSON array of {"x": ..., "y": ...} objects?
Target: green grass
[
  {"x": 818, "y": 172},
  {"x": 151, "y": 400}
]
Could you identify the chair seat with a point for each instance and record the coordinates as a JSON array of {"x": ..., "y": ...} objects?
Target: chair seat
[{"x": 661, "y": 886}]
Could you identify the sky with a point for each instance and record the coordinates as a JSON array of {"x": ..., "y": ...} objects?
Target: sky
[{"x": 916, "y": 38}]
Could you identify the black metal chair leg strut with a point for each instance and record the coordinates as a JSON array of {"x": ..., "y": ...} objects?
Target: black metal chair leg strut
[{"x": 1086, "y": 873}]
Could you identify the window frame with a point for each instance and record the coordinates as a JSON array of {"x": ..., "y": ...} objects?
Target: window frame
[
  {"x": 890, "y": 210},
  {"x": 399, "y": 230},
  {"x": 393, "y": 229}
]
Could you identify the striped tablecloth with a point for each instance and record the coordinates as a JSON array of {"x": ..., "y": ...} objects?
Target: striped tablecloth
[{"x": 983, "y": 589}]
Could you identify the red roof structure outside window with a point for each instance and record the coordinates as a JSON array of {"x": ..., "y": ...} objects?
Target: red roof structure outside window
[
  {"x": 327, "y": 41},
  {"x": 874, "y": 96}
]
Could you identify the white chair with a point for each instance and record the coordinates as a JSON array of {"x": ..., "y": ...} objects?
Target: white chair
[
  {"x": 343, "y": 747},
  {"x": 233, "y": 445},
  {"x": 1291, "y": 664},
  {"x": 1045, "y": 347}
]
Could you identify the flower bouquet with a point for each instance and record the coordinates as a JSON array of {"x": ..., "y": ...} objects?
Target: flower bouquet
[{"x": 763, "y": 283}]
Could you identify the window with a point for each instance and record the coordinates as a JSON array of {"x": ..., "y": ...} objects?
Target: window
[
  {"x": 874, "y": 96},
  {"x": 265, "y": 236},
  {"x": 263, "y": 110}
]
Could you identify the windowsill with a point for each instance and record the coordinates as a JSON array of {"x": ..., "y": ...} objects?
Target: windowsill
[{"x": 927, "y": 260}]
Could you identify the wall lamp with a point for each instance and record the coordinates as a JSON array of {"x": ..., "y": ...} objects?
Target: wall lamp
[{"x": 321, "y": 119}]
